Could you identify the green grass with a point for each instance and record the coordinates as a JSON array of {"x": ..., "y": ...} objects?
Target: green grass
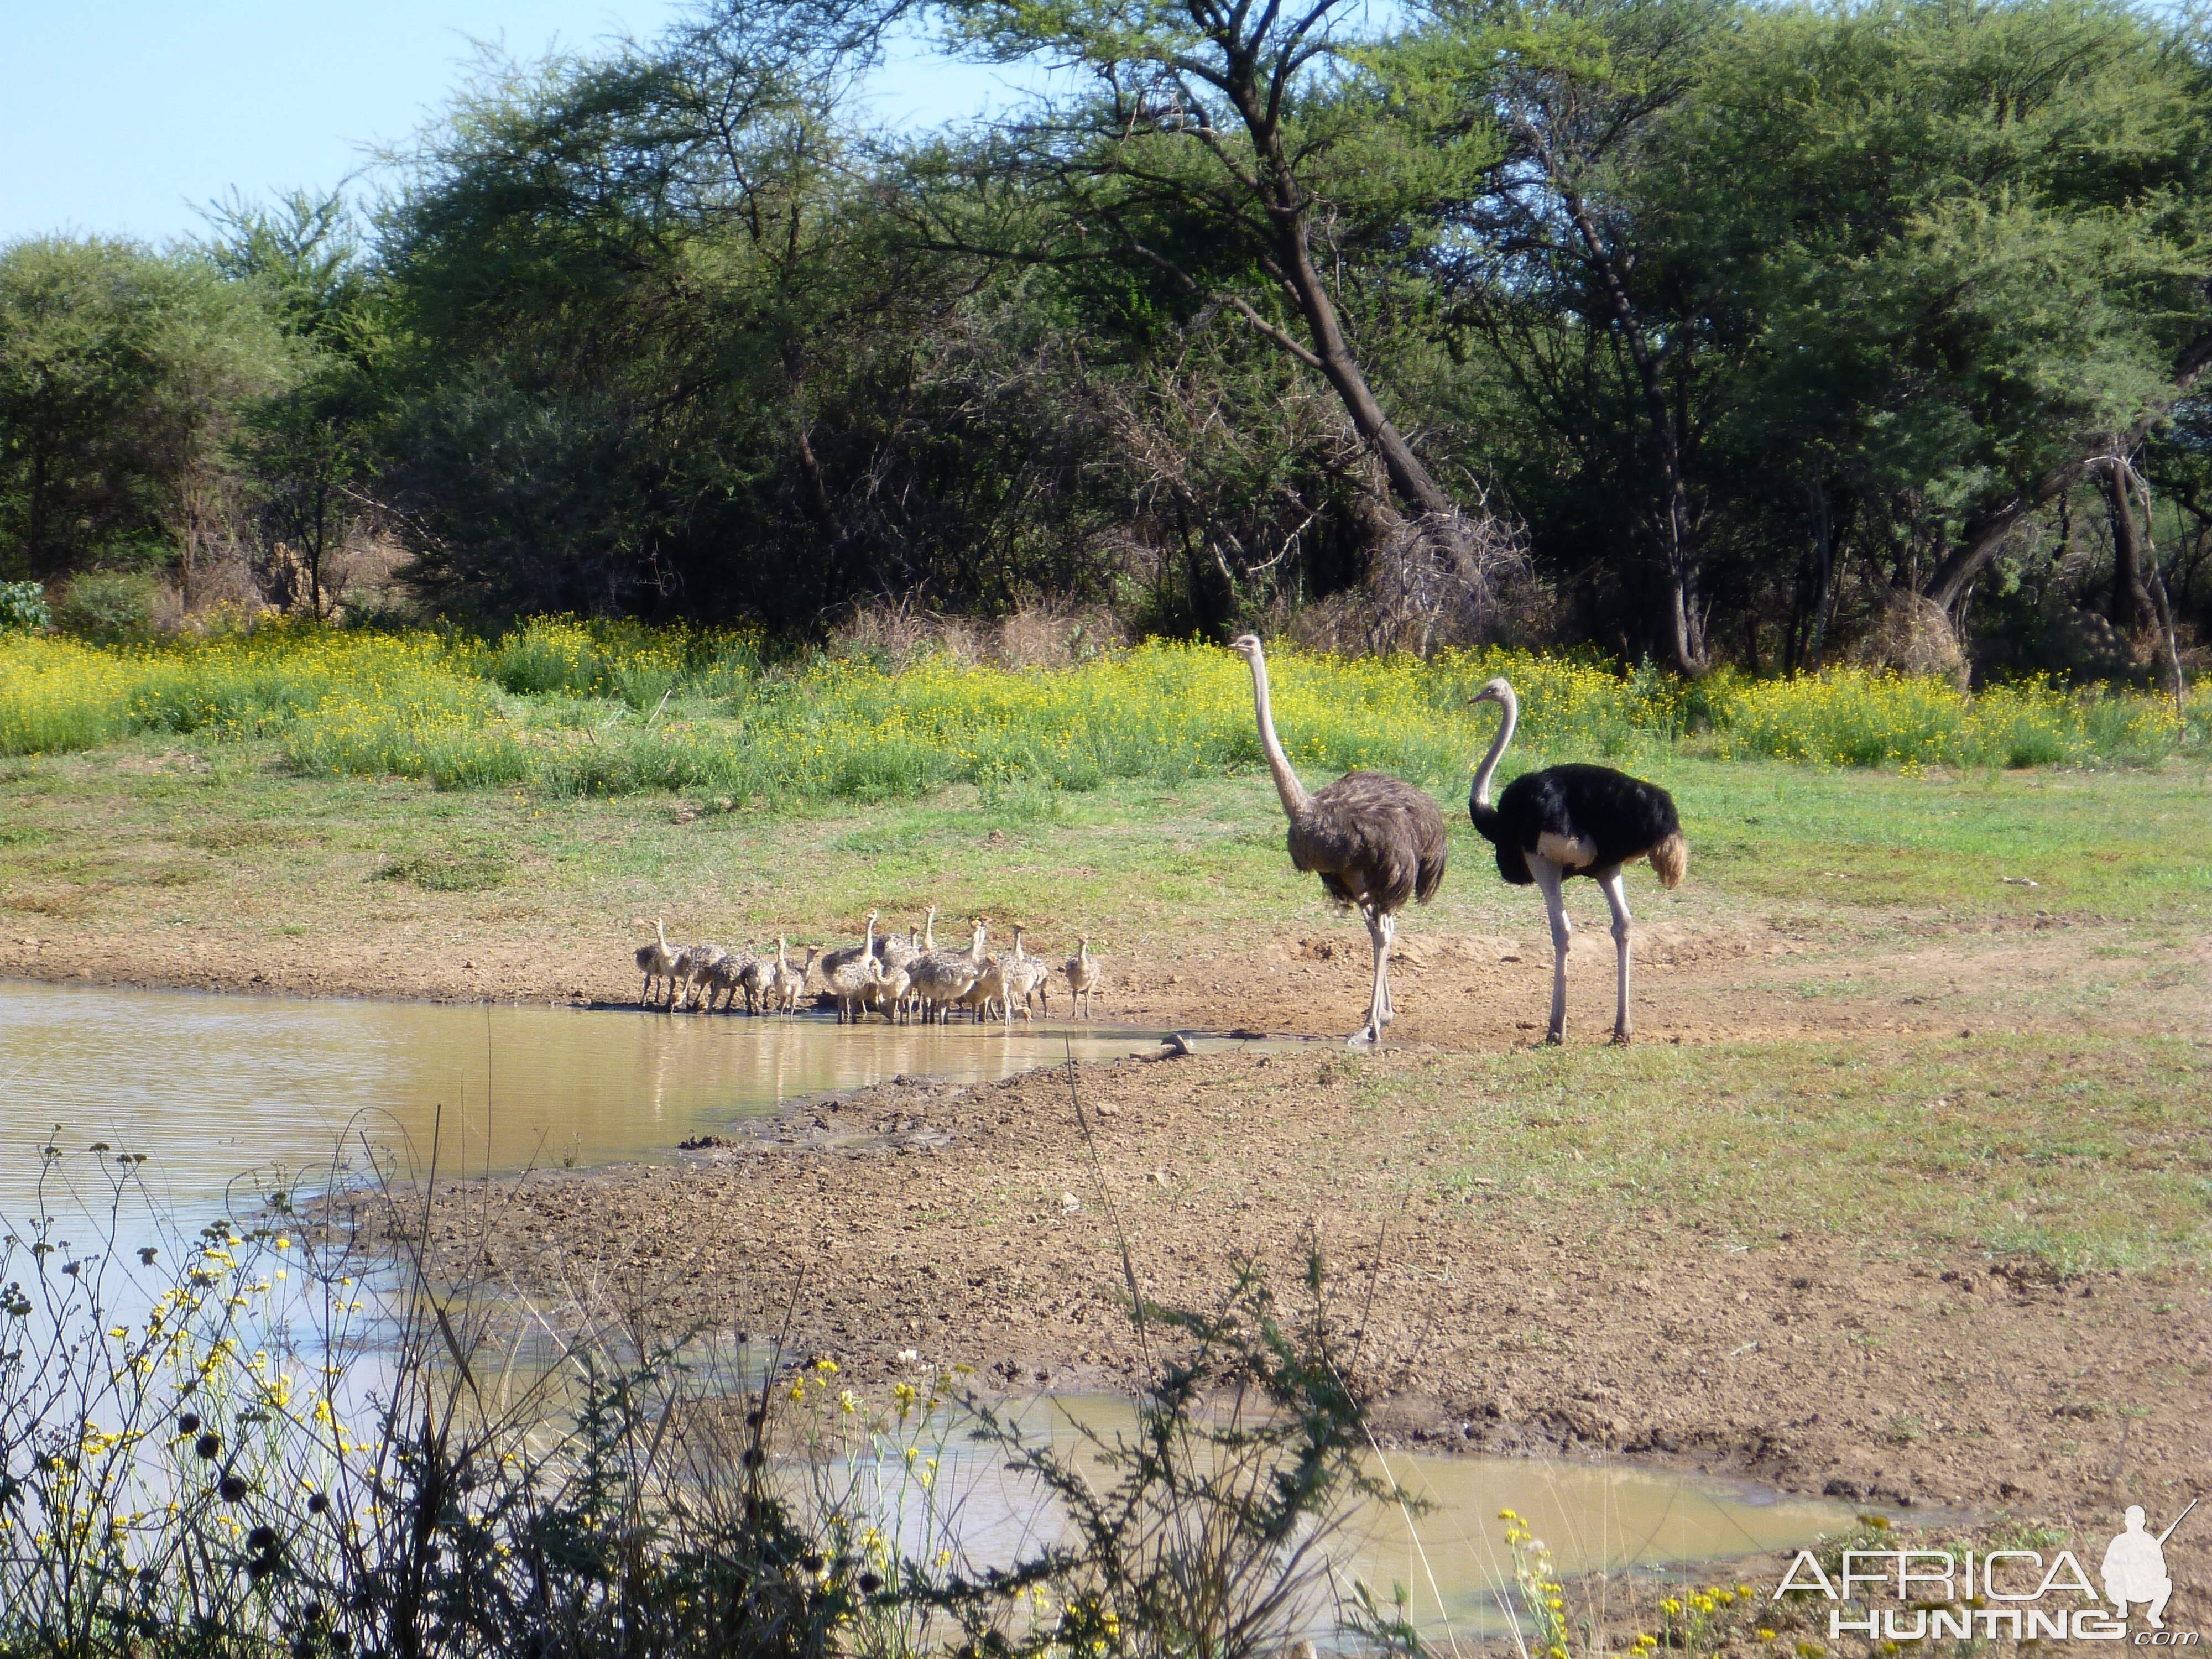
[
  {"x": 1866, "y": 853},
  {"x": 2088, "y": 1151}
]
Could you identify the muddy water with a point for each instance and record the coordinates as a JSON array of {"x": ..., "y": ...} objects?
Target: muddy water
[
  {"x": 213, "y": 1087},
  {"x": 1452, "y": 1559}
]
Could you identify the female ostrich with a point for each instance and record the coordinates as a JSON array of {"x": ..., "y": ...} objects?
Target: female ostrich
[
  {"x": 1574, "y": 821},
  {"x": 1374, "y": 841}
]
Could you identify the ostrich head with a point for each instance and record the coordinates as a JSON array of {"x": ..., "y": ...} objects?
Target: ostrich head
[
  {"x": 1246, "y": 646},
  {"x": 1496, "y": 692}
]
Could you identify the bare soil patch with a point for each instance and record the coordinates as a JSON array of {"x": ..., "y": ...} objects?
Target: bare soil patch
[{"x": 915, "y": 1224}]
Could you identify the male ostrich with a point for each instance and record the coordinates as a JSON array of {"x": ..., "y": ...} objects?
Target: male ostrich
[
  {"x": 1374, "y": 841},
  {"x": 1574, "y": 821}
]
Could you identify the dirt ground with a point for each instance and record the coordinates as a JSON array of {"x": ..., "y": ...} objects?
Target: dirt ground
[
  {"x": 915, "y": 1224},
  {"x": 1728, "y": 981},
  {"x": 983, "y": 1225}
]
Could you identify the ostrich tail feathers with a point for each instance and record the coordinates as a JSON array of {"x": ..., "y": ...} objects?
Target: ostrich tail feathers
[{"x": 1670, "y": 860}]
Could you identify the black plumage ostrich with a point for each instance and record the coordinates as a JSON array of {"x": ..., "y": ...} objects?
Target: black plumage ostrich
[
  {"x": 1374, "y": 841},
  {"x": 1575, "y": 821}
]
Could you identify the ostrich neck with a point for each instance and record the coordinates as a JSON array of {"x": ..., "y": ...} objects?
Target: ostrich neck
[
  {"x": 1287, "y": 781},
  {"x": 1509, "y": 717}
]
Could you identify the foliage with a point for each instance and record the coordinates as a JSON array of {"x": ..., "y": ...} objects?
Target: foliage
[
  {"x": 122, "y": 373},
  {"x": 23, "y": 607},
  {"x": 106, "y": 605},
  {"x": 1849, "y": 281},
  {"x": 207, "y": 1456}
]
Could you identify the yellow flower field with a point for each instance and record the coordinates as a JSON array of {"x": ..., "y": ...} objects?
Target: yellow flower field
[{"x": 572, "y": 707}]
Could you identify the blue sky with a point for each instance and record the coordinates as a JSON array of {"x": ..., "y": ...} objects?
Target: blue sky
[{"x": 122, "y": 118}]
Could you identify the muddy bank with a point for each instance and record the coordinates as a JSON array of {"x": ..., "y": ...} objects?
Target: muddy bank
[
  {"x": 1695, "y": 983},
  {"x": 981, "y": 1226}
]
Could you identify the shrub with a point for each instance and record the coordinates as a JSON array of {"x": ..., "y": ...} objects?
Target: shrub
[
  {"x": 23, "y": 608},
  {"x": 107, "y": 604}
]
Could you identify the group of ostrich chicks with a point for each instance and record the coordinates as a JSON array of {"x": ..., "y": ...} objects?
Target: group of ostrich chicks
[{"x": 901, "y": 979}]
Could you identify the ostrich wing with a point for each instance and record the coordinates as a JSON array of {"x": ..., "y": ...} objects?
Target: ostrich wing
[{"x": 1372, "y": 839}]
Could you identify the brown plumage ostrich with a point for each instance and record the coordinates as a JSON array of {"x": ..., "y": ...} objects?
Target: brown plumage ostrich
[{"x": 1374, "y": 841}]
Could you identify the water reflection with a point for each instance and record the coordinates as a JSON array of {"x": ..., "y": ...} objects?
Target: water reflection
[
  {"x": 212, "y": 1087},
  {"x": 1452, "y": 1560}
]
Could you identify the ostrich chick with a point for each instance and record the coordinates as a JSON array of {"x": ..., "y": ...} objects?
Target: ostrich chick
[
  {"x": 791, "y": 979},
  {"x": 1375, "y": 840},
  {"x": 1083, "y": 973},
  {"x": 656, "y": 961}
]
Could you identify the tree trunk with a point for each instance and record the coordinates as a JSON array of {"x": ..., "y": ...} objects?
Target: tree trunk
[
  {"x": 1986, "y": 531},
  {"x": 1685, "y": 622},
  {"x": 1341, "y": 369},
  {"x": 2131, "y": 612}
]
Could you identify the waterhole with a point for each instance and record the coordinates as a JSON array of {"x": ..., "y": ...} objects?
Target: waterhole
[
  {"x": 212, "y": 1088},
  {"x": 216, "y": 1091},
  {"x": 1446, "y": 1550}
]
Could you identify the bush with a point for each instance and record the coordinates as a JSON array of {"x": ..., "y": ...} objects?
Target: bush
[
  {"x": 107, "y": 604},
  {"x": 23, "y": 608}
]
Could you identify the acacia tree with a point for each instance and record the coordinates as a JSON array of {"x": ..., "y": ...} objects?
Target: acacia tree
[
  {"x": 1988, "y": 261},
  {"x": 122, "y": 372},
  {"x": 1909, "y": 269},
  {"x": 1237, "y": 150},
  {"x": 1567, "y": 262}
]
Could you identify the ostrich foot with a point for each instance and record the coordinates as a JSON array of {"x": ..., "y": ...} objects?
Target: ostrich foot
[
  {"x": 1555, "y": 1040},
  {"x": 1365, "y": 1037},
  {"x": 1620, "y": 1038}
]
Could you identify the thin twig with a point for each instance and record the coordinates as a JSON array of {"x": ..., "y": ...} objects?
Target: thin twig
[{"x": 1113, "y": 1219}]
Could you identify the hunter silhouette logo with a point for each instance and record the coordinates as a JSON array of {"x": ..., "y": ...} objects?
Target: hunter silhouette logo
[
  {"x": 1968, "y": 1594},
  {"x": 2134, "y": 1567}
]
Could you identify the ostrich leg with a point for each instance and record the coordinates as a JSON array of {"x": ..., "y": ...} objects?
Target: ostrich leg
[
  {"x": 1371, "y": 1033},
  {"x": 1547, "y": 878},
  {"x": 1389, "y": 924},
  {"x": 1617, "y": 896}
]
